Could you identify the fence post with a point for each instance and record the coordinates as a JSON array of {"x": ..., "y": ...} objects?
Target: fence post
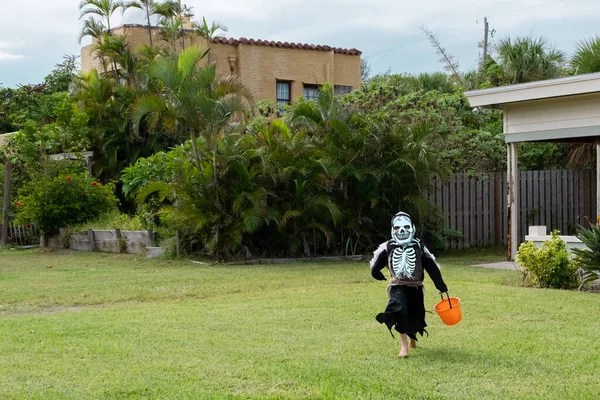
[{"x": 6, "y": 203}]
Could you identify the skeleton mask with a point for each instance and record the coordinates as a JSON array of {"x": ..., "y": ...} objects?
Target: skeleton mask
[{"x": 403, "y": 230}]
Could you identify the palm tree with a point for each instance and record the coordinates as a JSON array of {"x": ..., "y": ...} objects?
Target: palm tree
[
  {"x": 99, "y": 28},
  {"x": 170, "y": 31},
  {"x": 184, "y": 10},
  {"x": 92, "y": 27},
  {"x": 209, "y": 32},
  {"x": 149, "y": 7},
  {"x": 528, "y": 59},
  {"x": 169, "y": 21},
  {"x": 190, "y": 98},
  {"x": 112, "y": 47},
  {"x": 328, "y": 112},
  {"x": 172, "y": 12},
  {"x": 586, "y": 59},
  {"x": 102, "y": 8}
]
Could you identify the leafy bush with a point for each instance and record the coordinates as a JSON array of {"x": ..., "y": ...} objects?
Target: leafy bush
[
  {"x": 589, "y": 259},
  {"x": 550, "y": 266},
  {"x": 61, "y": 194}
]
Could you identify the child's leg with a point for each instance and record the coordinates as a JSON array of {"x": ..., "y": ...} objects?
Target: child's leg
[
  {"x": 403, "y": 345},
  {"x": 413, "y": 344}
]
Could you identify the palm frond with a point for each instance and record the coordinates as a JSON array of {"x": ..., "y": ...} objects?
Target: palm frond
[
  {"x": 150, "y": 108},
  {"x": 586, "y": 59},
  {"x": 189, "y": 59}
]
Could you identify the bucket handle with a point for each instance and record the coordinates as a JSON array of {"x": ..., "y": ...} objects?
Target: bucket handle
[{"x": 442, "y": 296}]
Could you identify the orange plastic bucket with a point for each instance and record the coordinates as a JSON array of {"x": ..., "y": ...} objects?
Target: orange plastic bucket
[{"x": 449, "y": 310}]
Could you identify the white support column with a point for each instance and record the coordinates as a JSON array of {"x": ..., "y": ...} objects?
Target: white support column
[
  {"x": 597, "y": 179},
  {"x": 513, "y": 199}
]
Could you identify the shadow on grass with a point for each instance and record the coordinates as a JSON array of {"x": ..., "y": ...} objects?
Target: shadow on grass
[{"x": 452, "y": 355}]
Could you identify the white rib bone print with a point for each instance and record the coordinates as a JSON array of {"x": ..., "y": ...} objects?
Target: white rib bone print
[{"x": 403, "y": 262}]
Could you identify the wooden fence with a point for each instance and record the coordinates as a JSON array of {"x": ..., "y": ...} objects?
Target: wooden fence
[
  {"x": 23, "y": 235},
  {"x": 476, "y": 206}
]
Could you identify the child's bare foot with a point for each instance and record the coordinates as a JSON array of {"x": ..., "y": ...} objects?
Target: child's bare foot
[
  {"x": 413, "y": 344},
  {"x": 403, "y": 345}
]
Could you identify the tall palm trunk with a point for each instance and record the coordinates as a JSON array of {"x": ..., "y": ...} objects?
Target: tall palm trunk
[
  {"x": 149, "y": 27},
  {"x": 113, "y": 59},
  {"x": 181, "y": 27}
]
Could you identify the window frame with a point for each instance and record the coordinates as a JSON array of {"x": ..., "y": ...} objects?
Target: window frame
[
  {"x": 342, "y": 89},
  {"x": 311, "y": 86},
  {"x": 280, "y": 101}
]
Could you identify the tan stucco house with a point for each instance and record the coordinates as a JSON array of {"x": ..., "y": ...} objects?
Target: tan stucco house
[{"x": 271, "y": 70}]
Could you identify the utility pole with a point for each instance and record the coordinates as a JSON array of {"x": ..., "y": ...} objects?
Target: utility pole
[{"x": 485, "y": 38}]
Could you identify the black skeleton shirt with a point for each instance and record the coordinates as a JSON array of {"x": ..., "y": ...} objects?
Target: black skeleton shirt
[{"x": 406, "y": 264}]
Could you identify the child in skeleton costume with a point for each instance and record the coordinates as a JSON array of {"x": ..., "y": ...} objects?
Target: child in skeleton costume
[{"x": 406, "y": 258}]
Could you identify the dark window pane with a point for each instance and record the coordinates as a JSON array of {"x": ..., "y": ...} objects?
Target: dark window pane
[
  {"x": 341, "y": 89},
  {"x": 311, "y": 92},
  {"x": 283, "y": 92}
]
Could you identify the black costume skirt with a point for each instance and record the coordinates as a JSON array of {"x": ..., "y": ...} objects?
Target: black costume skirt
[{"x": 405, "y": 311}]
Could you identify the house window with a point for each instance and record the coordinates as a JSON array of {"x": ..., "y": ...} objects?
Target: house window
[
  {"x": 284, "y": 95},
  {"x": 311, "y": 92},
  {"x": 341, "y": 89}
]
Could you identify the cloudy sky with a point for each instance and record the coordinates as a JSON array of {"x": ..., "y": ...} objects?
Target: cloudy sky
[{"x": 35, "y": 34}]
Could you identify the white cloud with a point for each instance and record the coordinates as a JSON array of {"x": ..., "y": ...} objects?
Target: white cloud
[
  {"x": 41, "y": 31},
  {"x": 7, "y": 52},
  {"x": 5, "y": 56}
]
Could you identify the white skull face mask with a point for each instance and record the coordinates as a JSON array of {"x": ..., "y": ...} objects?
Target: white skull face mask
[{"x": 403, "y": 230}]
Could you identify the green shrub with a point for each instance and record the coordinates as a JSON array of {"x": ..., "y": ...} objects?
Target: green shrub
[
  {"x": 61, "y": 195},
  {"x": 589, "y": 259},
  {"x": 112, "y": 220},
  {"x": 550, "y": 266}
]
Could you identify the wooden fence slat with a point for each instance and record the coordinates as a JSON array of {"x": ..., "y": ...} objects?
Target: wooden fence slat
[
  {"x": 486, "y": 211},
  {"x": 530, "y": 207},
  {"x": 472, "y": 211},
  {"x": 564, "y": 205},
  {"x": 504, "y": 209},
  {"x": 453, "y": 204},
  {"x": 460, "y": 225},
  {"x": 555, "y": 220},
  {"x": 592, "y": 196},
  {"x": 571, "y": 203},
  {"x": 547, "y": 199},
  {"x": 438, "y": 194},
  {"x": 494, "y": 234},
  {"x": 479, "y": 215},
  {"x": 585, "y": 186},
  {"x": 578, "y": 197},
  {"x": 536, "y": 197},
  {"x": 522, "y": 203}
]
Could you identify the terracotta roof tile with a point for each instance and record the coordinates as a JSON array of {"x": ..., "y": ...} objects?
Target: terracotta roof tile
[
  {"x": 259, "y": 42},
  {"x": 291, "y": 45}
]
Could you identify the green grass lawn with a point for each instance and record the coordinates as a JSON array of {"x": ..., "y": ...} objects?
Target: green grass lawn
[{"x": 83, "y": 325}]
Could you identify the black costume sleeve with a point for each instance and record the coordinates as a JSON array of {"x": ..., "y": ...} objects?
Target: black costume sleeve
[
  {"x": 433, "y": 270},
  {"x": 379, "y": 261}
]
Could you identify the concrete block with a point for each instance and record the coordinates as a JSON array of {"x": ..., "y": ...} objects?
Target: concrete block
[{"x": 538, "y": 230}]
